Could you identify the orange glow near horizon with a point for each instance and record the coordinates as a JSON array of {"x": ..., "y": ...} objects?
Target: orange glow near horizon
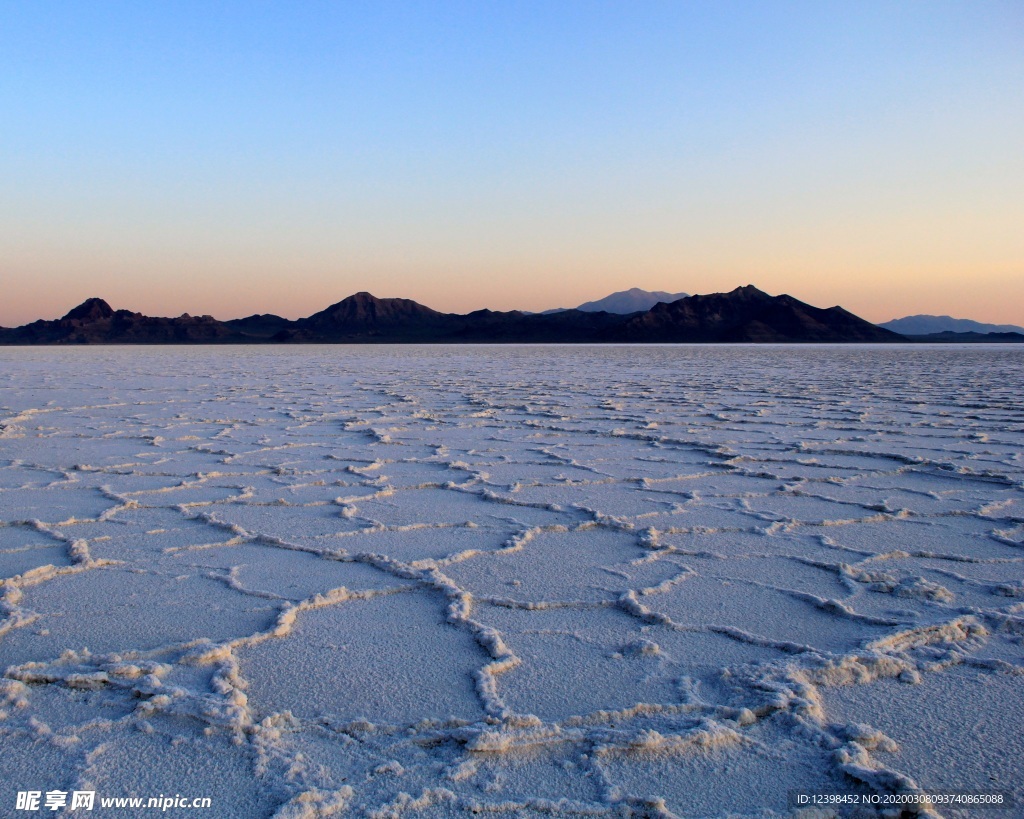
[
  {"x": 512, "y": 156},
  {"x": 880, "y": 297}
]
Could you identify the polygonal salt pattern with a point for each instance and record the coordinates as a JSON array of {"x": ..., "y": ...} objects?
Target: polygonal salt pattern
[{"x": 438, "y": 581}]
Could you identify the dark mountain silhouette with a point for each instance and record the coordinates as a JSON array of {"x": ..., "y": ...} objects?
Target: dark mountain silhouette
[
  {"x": 363, "y": 317},
  {"x": 748, "y": 315},
  {"x": 90, "y": 310},
  {"x": 744, "y": 315},
  {"x": 567, "y": 326},
  {"x": 262, "y": 325},
  {"x": 968, "y": 338},
  {"x": 95, "y": 322}
]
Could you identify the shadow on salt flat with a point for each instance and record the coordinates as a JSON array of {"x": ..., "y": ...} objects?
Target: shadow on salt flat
[{"x": 391, "y": 659}]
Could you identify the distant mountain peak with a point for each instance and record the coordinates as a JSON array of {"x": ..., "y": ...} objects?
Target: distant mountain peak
[
  {"x": 364, "y": 315},
  {"x": 90, "y": 309},
  {"x": 634, "y": 300},
  {"x": 363, "y": 303},
  {"x": 748, "y": 291}
]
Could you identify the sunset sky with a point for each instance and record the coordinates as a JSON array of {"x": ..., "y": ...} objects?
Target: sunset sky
[{"x": 232, "y": 158}]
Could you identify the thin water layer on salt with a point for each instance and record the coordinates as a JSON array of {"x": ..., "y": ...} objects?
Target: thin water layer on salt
[{"x": 567, "y": 580}]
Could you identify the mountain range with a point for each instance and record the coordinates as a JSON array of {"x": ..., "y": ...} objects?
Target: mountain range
[
  {"x": 927, "y": 325},
  {"x": 745, "y": 315}
]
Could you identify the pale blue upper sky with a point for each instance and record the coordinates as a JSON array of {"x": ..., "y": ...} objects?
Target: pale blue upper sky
[{"x": 231, "y": 158}]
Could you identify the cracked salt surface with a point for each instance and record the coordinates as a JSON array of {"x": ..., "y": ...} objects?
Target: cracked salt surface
[{"x": 567, "y": 580}]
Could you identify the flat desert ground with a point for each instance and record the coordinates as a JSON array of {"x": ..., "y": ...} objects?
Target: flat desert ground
[{"x": 513, "y": 581}]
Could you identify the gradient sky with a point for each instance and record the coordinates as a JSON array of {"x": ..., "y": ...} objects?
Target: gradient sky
[{"x": 231, "y": 158}]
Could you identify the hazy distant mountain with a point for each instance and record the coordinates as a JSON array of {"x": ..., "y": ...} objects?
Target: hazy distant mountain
[
  {"x": 926, "y": 325},
  {"x": 968, "y": 338},
  {"x": 633, "y": 300},
  {"x": 744, "y": 315},
  {"x": 622, "y": 303}
]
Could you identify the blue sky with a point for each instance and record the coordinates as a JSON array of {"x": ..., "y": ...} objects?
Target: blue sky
[{"x": 231, "y": 158}]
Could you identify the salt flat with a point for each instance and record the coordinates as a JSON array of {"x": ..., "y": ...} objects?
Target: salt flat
[{"x": 382, "y": 581}]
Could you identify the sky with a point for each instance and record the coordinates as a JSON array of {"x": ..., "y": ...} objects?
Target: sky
[{"x": 231, "y": 158}]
